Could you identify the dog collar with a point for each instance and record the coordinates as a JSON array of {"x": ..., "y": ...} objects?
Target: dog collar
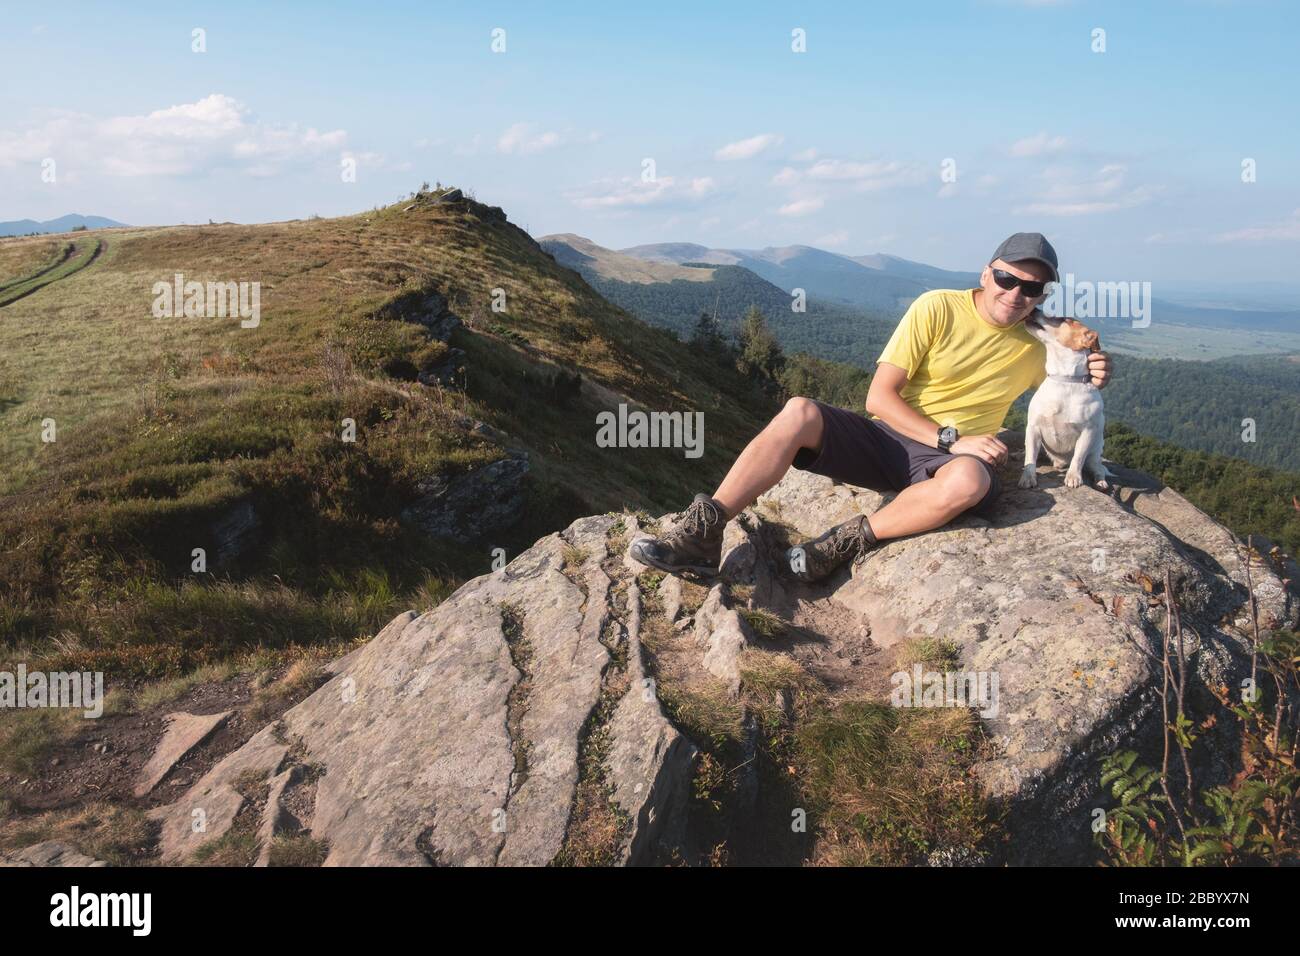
[{"x": 1084, "y": 379}]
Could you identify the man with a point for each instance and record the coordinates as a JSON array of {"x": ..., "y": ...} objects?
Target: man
[{"x": 943, "y": 385}]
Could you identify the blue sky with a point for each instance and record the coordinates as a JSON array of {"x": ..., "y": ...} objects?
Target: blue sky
[{"x": 1130, "y": 160}]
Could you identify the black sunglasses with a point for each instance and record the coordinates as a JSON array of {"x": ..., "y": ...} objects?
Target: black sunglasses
[{"x": 1006, "y": 280}]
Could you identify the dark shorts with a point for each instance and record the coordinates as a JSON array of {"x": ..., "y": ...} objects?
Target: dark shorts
[{"x": 862, "y": 451}]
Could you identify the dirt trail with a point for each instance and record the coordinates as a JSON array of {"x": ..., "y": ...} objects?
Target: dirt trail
[
  {"x": 72, "y": 262},
  {"x": 64, "y": 254}
]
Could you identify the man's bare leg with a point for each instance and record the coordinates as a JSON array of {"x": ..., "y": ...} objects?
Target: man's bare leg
[
  {"x": 926, "y": 505},
  {"x": 768, "y": 457},
  {"x": 932, "y": 503}
]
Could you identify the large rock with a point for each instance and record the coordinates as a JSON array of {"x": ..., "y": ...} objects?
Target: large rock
[
  {"x": 454, "y": 737},
  {"x": 183, "y": 733},
  {"x": 458, "y": 737},
  {"x": 1049, "y": 597},
  {"x": 49, "y": 853}
]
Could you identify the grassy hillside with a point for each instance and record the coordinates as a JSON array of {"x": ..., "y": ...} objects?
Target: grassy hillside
[
  {"x": 673, "y": 296},
  {"x": 22, "y": 258},
  {"x": 166, "y": 428}
]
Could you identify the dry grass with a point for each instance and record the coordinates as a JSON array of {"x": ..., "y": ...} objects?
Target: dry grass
[
  {"x": 297, "y": 849},
  {"x": 119, "y": 836},
  {"x": 762, "y": 622},
  {"x": 165, "y": 425},
  {"x": 937, "y": 653},
  {"x": 887, "y": 786},
  {"x": 776, "y": 688},
  {"x": 233, "y": 848},
  {"x": 303, "y": 675},
  {"x": 157, "y": 693},
  {"x": 22, "y": 256}
]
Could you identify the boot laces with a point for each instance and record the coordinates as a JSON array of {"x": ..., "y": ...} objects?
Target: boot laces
[
  {"x": 851, "y": 538},
  {"x": 700, "y": 516}
]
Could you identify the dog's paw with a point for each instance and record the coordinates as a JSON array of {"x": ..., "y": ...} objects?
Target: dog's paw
[
  {"x": 1102, "y": 485},
  {"x": 1073, "y": 479},
  {"x": 1029, "y": 478}
]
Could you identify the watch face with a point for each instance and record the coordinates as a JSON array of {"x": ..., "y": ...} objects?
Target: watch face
[{"x": 948, "y": 435}]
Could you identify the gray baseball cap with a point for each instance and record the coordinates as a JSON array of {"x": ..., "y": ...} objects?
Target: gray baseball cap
[{"x": 1028, "y": 245}]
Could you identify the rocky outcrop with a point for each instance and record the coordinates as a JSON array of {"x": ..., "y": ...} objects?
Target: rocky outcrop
[
  {"x": 448, "y": 373},
  {"x": 1053, "y": 596},
  {"x": 474, "y": 504},
  {"x": 482, "y": 732},
  {"x": 184, "y": 732},
  {"x": 454, "y": 738},
  {"x": 49, "y": 853}
]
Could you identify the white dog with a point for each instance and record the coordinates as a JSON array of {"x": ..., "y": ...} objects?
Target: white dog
[{"x": 1065, "y": 414}]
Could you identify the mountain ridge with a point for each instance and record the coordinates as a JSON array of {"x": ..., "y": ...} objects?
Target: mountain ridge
[{"x": 23, "y": 227}]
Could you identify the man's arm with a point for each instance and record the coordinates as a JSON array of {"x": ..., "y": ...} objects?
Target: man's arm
[{"x": 885, "y": 400}]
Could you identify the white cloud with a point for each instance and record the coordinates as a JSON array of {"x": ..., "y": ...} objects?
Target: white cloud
[
  {"x": 521, "y": 138},
  {"x": 1067, "y": 194},
  {"x": 701, "y": 186},
  {"x": 633, "y": 192},
  {"x": 1287, "y": 230},
  {"x": 178, "y": 140},
  {"x": 801, "y": 207},
  {"x": 1040, "y": 145},
  {"x": 788, "y": 176},
  {"x": 843, "y": 169},
  {"x": 805, "y": 156},
  {"x": 947, "y": 191},
  {"x": 748, "y": 148},
  {"x": 867, "y": 176}
]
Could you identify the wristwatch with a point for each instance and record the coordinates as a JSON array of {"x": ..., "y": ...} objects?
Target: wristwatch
[{"x": 947, "y": 435}]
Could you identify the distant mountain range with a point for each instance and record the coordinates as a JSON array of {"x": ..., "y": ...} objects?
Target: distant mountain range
[
  {"x": 874, "y": 282},
  {"x": 25, "y": 227},
  {"x": 662, "y": 291},
  {"x": 885, "y": 285}
]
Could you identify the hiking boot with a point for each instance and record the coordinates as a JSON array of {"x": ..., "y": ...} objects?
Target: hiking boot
[
  {"x": 694, "y": 544},
  {"x": 820, "y": 558}
]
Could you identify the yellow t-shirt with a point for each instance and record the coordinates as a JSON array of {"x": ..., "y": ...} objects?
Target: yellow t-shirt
[{"x": 961, "y": 371}]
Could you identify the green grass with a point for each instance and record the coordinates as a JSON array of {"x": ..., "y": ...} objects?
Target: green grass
[
  {"x": 233, "y": 848},
  {"x": 21, "y": 260},
  {"x": 120, "y": 836},
  {"x": 297, "y": 850},
  {"x": 762, "y": 622},
  {"x": 887, "y": 786},
  {"x": 164, "y": 426},
  {"x": 84, "y": 252}
]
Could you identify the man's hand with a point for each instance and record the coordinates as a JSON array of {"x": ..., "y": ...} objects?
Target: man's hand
[
  {"x": 1099, "y": 368},
  {"x": 984, "y": 447}
]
